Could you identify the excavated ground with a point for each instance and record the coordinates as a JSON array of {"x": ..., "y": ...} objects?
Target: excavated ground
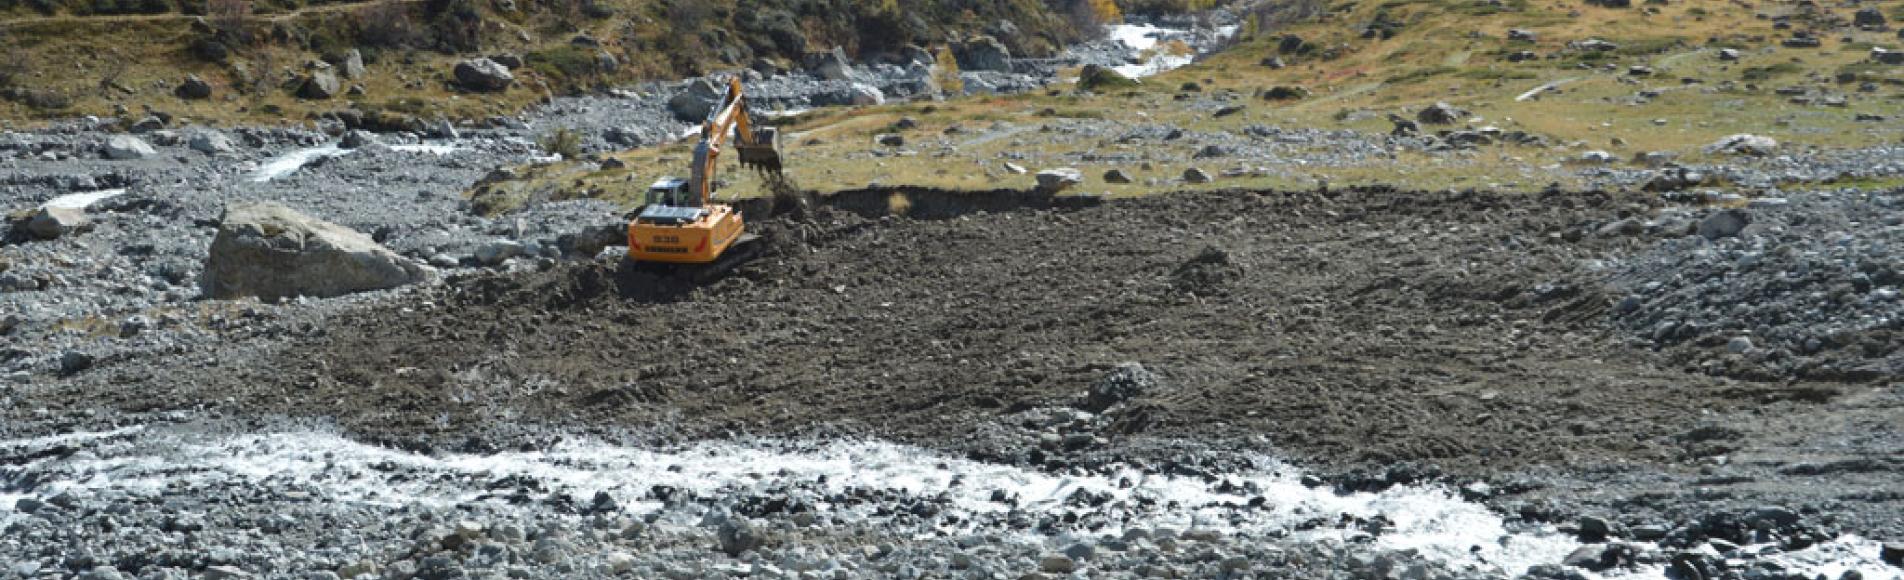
[{"x": 1394, "y": 335}]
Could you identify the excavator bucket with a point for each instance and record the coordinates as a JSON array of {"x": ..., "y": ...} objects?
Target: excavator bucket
[{"x": 763, "y": 153}]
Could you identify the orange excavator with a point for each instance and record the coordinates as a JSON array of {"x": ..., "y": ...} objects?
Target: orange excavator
[{"x": 681, "y": 224}]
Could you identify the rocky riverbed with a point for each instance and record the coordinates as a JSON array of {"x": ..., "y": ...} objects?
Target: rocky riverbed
[{"x": 1673, "y": 379}]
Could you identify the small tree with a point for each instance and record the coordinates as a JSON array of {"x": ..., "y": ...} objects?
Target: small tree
[{"x": 945, "y": 72}]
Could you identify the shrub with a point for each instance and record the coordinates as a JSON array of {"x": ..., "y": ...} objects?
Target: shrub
[
  {"x": 946, "y": 72},
  {"x": 1097, "y": 78},
  {"x": 562, "y": 141}
]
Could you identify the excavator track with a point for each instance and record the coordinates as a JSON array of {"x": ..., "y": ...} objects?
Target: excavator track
[{"x": 744, "y": 250}]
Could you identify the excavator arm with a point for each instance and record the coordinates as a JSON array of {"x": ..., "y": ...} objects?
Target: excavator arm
[{"x": 758, "y": 145}]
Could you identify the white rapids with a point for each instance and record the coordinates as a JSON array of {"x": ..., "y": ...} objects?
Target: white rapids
[
  {"x": 82, "y": 199},
  {"x": 289, "y": 163},
  {"x": 1430, "y": 519},
  {"x": 1142, "y": 38}
]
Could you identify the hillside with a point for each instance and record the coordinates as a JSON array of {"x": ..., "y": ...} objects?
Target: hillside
[
  {"x": 1554, "y": 92},
  {"x": 66, "y": 58}
]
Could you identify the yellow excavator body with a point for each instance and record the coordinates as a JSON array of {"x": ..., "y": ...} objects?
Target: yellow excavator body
[{"x": 680, "y": 223}]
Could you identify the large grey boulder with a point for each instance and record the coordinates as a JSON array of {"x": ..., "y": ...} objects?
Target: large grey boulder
[
  {"x": 211, "y": 142},
  {"x": 47, "y": 223},
  {"x": 483, "y": 75},
  {"x": 352, "y": 65},
  {"x": 692, "y": 104},
  {"x": 193, "y": 88},
  {"x": 1059, "y": 179},
  {"x": 983, "y": 53},
  {"x": 319, "y": 85},
  {"x": 830, "y": 65},
  {"x": 128, "y": 147},
  {"x": 270, "y": 251}
]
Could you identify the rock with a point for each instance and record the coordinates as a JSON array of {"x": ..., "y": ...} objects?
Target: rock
[
  {"x": 830, "y": 65},
  {"x": 1116, "y": 176},
  {"x": 1211, "y": 152},
  {"x": 1802, "y": 40},
  {"x": 224, "y": 573},
  {"x": 1227, "y": 110},
  {"x": 1723, "y": 224},
  {"x": 1743, "y": 144},
  {"x": 483, "y": 75},
  {"x": 357, "y": 138},
  {"x": 509, "y": 61},
  {"x": 1127, "y": 381},
  {"x": 889, "y": 139},
  {"x": 496, "y": 252},
  {"x": 126, "y": 147},
  {"x": 1058, "y": 179},
  {"x": 1598, "y": 157},
  {"x": 48, "y": 223},
  {"x": 1892, "y": 553},
  {"x": 73, "y": 362},
  {"x": 737, "y": 535},
  {"x": 1274, "y": 62},
  {"x": 1674, "y": 179},
  {"x": 695, "y": 101},
  {"x": 149, "y": 124},
  {"x": 1522, "y": 35},
  {"x": 352, "y": 65},
  {"x": 1403, "y": 126},
  {"x": 1522, "y": 56},
  {"x": 1286, "y": 93},
  {"x": 855, "y": 95},
  {"x": 1291, "y": 44},
  {"x": 1639, "y": 70},
  {"x": 1739, "y": 345},
  {"x": 1594, "y": 45},
  {"x": 1600, "y": 557},
  {"x": 1441, "y": 114},
  {"x": 1868, "y": 18},
  {"x": 618, "y": 562},
  {"x": 1195, "y": 175},
  {"x": 320, "y": 84},
  {"x": 1594, "y": 530},
  {"x": 1015, "y": 169},
  {"x": 193, "y": 88},
  {"x": 211, "y": 142},
  {"x": 269, "y": 251},
  {"x": 1882, "y": 56},
  {"x": 1057, "y": 564},
  {"x": 983, "y": 53},
  {"x": 1728, "y": 54}
]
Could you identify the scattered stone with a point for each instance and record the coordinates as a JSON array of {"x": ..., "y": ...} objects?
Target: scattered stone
[
  {"x": 48, "y": 223},
  {"x": 1196, "y": 175},
  {"x": 352, "y": 65},
  {"x": 1058, "y": 179},
  {"x": 1724, "y": 223},
  {"x": 73, "y": 362},
  {"x": 127, "y": 147},
  {"x": 1744, "y": 144},
  {"x": 1739, "y": 345},
  {"x": 193, "y": 88},
  {"x": 1286, "y": 93},
  {"x": 1227, "y": 110},
  {"x": 1274, "y": 62},
  {"x": 1057, "y": 564},
  {"x": 319, "y": 85},
  {"x": 1441, "y": 114},
  {"x": 1522, "y": 35},
  {"x": 496, "y": 252},
  {"x": 483, "y": 75},
  {"x": 1128, "y": 381},
  {"x": 356, "y": 138},
  {"x": 737, "y": 535},
  {"x": 983, "y": 53},
  {"x": 890, "y": 139},
  {"x": 1598, "y": 157},
  {"x": 1868, "y": 18},
  {"x": 211, "y": 142},
  {"x": 1015, "y": 169},
  {"x": 1728, "y": 54},
  {"x": 1882, "y": 56},
  {"x": 1117, "y": 176},
  {"x": 272, "y": 252}
]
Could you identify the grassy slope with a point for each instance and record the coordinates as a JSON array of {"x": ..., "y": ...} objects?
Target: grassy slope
[
  {"x": 69, "y": 53},
  {"x": 1448, "y": 50}
]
